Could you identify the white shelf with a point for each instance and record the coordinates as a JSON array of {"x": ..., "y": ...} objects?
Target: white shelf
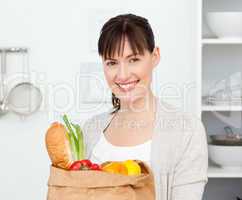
[
  {"x": 221, "y": 41},
  {"x": 218, "y": 172},
  {"x": 221, "y": 108}
]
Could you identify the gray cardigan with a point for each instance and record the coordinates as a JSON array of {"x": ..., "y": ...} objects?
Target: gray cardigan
[{"x": 179, "y": 154}]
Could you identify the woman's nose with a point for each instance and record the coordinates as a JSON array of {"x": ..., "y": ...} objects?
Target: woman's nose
[{"x": 123, "y": 73}]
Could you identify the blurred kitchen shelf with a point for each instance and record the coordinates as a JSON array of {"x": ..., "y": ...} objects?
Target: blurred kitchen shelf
[
  {"x": 221, "y": 108},
  {"x": 220, "y": 41},
  {"x": 217, "y": 172}
]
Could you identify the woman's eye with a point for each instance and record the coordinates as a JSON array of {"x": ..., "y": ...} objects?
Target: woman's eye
[
  {"x": 111, "y": 63},
  {"x": 134, "y": 60}
]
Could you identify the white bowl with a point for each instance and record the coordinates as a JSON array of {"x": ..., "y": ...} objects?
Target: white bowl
[
  {"x": 225, "y": 24},
  {"x": 226, "y": 156}
]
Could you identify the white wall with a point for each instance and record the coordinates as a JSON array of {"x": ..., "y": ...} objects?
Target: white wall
[{"x": 58, "y": 35}]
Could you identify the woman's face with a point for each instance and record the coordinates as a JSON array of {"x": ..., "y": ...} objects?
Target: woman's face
[{"x": 129, "y": 76}]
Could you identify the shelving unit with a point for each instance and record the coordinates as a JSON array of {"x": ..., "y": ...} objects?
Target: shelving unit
[
  {"x": 221, "y": 108},
  {"x": 215, "y": 171},
  {"x": 218, "y": 41},
  {"x": 215, "y": 66}
]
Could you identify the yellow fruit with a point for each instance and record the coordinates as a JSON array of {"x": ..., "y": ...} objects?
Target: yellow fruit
[
  {"x": 133, "y": 167},
  {"x": 115, "y": 167}
]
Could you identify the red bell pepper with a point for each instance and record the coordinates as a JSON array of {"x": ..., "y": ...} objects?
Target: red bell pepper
[{"x": 81, "y": 165}]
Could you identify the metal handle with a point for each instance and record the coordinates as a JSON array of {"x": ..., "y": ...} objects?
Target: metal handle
[
  {"x": 228, "y": 130},
  {"x": 3, "y": 72},
  {"x": 14, "y": 50},
  {"x": 230, "y": 133}
]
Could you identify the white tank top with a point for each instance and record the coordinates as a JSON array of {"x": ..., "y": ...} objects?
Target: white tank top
[{"x": 105, "y": 151}]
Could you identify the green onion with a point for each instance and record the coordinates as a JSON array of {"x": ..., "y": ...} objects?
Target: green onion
[
  {"x": 80, "y": 141},
  {"x": 72, "y": 139}
]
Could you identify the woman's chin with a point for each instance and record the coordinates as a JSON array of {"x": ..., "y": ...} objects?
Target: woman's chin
[{"x": 128, "y": 99}]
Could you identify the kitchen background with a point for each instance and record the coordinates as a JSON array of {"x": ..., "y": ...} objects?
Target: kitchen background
[{"x": 59, "y": 56}]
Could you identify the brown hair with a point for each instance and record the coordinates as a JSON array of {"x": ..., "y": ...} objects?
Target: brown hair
[{"x": 138, "y": 32}]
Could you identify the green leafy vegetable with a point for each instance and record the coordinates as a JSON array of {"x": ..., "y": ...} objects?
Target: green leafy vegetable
[
  {"x": 72, "y": 139},
  {"x": 80, "y": 141},
  {"x": 75, "y": 139}
]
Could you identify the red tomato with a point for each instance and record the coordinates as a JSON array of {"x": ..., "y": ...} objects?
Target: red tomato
[
  {"x": 75, "y": 166},
  {"x": 81, "y": 165},
  {"x": 95, "y": 167},
  {"x": 86, "y": 163}
]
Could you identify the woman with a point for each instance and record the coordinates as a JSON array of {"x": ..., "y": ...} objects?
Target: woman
[{"x": 173, "y": 143}]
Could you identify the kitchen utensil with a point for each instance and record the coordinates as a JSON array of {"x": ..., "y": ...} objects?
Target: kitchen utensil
[
  {"x": 23, "y": 99},
  {"x": 2, "y": 74},
  {"x": 228, "y": 139},
  {"x": 225, "y": 96}
]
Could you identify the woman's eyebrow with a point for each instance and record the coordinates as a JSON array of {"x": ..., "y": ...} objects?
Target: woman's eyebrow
[
  {"x": 128, "y": 56},
  {"x": 110, "y": 59}
]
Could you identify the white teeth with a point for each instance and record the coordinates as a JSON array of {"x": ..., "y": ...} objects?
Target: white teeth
[{"x": 127, "y": 86}]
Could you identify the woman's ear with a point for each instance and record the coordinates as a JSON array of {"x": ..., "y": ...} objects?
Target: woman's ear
[{"x": 156, "y": 56}]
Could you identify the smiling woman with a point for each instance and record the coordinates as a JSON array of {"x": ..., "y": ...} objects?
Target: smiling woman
[
  {"x": 167, "y": 140},
  {"x": 129, "y": 55}
]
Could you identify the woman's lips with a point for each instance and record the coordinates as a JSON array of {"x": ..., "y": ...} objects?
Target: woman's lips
[{"x": 127, "y": 86}]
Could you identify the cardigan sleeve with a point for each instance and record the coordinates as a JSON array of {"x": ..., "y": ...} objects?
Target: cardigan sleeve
[
  {"x": 190, "y": 175},
  {"x": 192, "y": 191}
]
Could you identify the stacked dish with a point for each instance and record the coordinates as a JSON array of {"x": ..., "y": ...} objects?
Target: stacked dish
[{"x": 226, "y": 149}]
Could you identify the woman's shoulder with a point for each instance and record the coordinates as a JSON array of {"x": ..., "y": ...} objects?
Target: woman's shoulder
[
  {"x": 180, "y": 128},
  {"x": 173, "y": 118},
  {"x": 183, "y": 134},
  {"x": 96, "y": 121}
]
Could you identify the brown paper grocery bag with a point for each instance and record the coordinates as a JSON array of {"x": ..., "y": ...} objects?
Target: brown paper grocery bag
[{"x": 99, "y": 185}]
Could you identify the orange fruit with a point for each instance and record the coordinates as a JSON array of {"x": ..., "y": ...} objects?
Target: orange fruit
[{"x": 115, "y": 167}]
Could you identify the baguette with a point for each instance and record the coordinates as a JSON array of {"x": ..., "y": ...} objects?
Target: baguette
[{"x": 58, "y": 146}]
